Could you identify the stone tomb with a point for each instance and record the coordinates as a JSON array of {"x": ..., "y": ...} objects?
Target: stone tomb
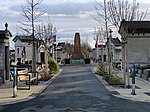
[{"x": 4, "y": 54}]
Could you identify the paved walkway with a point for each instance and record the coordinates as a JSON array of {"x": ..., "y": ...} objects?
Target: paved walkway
[
  {"x": 6, "y": 91},
  {"x": 142, "y": 89},
  {"x": 23, "y": 94},
  {"x": 77, "y": 90}
]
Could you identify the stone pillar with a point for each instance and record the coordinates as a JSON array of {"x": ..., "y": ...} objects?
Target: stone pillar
[{"x": 4, "y": 54}]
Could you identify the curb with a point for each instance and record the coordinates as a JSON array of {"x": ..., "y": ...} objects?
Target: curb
[
  {"x": 36, "y": 93},
  {"x": 110, "y": 88},
  {"x": 49, "y": 82},
  {"x": 113, "y": 91}
]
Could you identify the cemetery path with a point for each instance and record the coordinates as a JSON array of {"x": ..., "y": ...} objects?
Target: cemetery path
[{"x": 76, "y": 90}]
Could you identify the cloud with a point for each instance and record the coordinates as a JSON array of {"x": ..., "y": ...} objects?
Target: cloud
[
  {"x": 66, "y": 1},
  {"x": 67, "y": 8},
  {"x": 69, "y": 16},
  {"x": 86, "y": 34}
]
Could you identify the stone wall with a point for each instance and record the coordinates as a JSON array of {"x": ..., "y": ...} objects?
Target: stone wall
[
  {"x": 4, "y": 54},
  {"x": 2, "y": 60},
  {"x": 139, "y": 50}
]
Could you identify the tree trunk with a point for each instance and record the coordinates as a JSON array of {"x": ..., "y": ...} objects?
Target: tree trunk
[
  {"x": 46, "y": 61},
  {"x": 124, "y": 65},
  {"x": 33, "y": 55},
  {"x": 127, "y": 64}
]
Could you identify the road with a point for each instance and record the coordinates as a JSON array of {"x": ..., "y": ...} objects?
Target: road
[{"x": 77, "y": 90}]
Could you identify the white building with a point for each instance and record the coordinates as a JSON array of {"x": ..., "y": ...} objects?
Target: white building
[
  {"x": 102, "y": 50},
  {"x": 136, "y": 36},
  {"x": 59, "y": 53},
  {"x": 23, "y": 49},
  {"x": 116, "y": 47}
]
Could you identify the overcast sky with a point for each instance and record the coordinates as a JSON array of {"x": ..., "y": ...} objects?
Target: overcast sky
[{"x": 69, "y": 16}]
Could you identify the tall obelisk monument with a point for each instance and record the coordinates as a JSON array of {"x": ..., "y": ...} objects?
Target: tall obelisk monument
[{"x": 77, "y": 54}]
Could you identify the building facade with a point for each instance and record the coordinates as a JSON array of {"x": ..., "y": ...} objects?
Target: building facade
[
  {"x": 100, "y": 51},
  {"x": 23, "y": 49},
  {"x": 136, "y": 41},
  {"x": 116, "y": 52},
  {"x": 4, "y": 55}
]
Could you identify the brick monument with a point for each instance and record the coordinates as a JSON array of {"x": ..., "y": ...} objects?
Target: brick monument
[{"x": 77, "y": 54}]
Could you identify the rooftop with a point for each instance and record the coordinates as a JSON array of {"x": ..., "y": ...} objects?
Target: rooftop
[
  {"x": 135, "y": 26},
  {"x": 5, "y": 33},
  {"x": 23, "y": 38},
  {"x": 116, "y": 41}
]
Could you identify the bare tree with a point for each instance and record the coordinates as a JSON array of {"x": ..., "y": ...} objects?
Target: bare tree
[
  {"x": 68, "y": 48},
  {"x": 124, "y": 10},
  {"x": 113, "y": 12},
  {"x": 45, "y": 33},
  {"x": 103, "y": 18},
  {"x": 31, "y": 11},
  {"x": 86, "y": 48}
]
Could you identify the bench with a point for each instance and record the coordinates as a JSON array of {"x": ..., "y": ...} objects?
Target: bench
[
  {"x": 28, "y": 76},
  {"x": 34, "y": 77}
]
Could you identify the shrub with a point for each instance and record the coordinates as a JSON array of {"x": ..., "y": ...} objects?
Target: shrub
[
  {"x": 53, "y": 66},
  {"x": 45, "y": 75},
  {"x": 115, "y": 80},
  {"x": 97, "y": 71},
  {"x": 100, "y": 71},
  {"x": 106, "y": 77},
  {"x": 110, "y": 79}
]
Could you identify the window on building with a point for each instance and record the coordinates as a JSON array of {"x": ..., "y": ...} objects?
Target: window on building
[
  {"x": 42, "y": 57},
  {"x": 17, "y": 50},
  {"x": 24, "y": 48}
]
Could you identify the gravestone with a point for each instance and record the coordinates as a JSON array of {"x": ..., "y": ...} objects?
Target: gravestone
[{"x": 4, "y": 54}]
